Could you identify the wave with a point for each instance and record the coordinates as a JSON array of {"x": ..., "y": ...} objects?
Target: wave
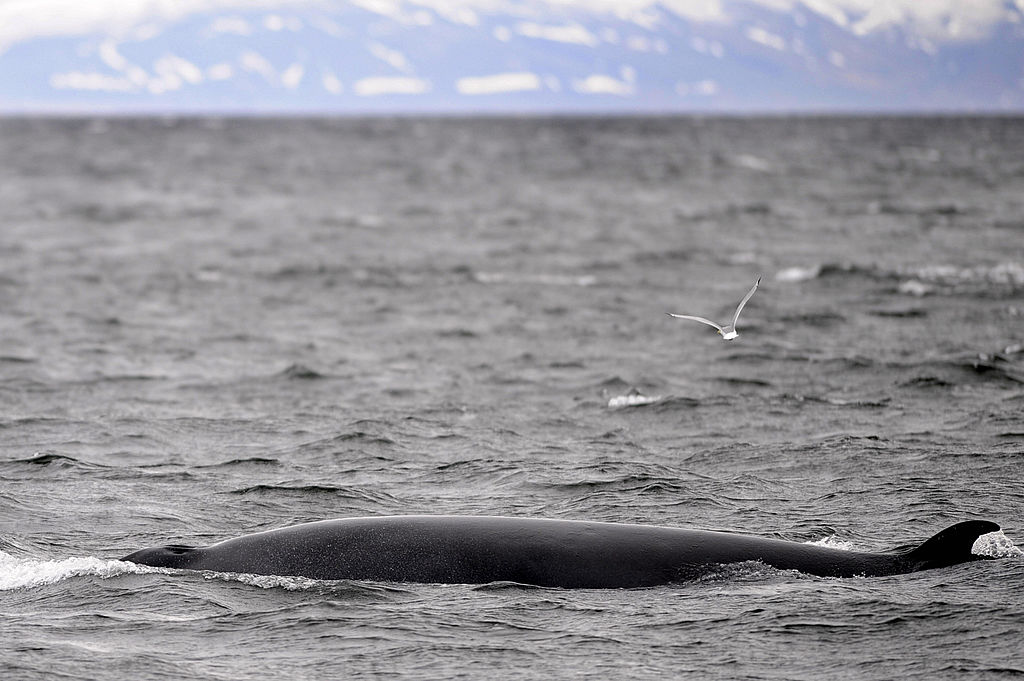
[
  {"x": 250, "y": 461},
  {"x": 815, "y": 319},
  {"x": 926, "y": 374},
  {"x": 457, "y": 332},
  {"x": 27, "y": 573},
  {"x": 360, "y": 440},
  {"x": 507, "y": 586},
  {"x": 300, "y": 372},
  {"x": 633, "y": 398},
  {"x": 614, "y": 383},
  {"x": 798, "y": 274},
  {"x": 17, "y": 359},
  {"x": 993, "y": 545},
  {"x": 52, "y": 460},
  {"x": 991, "y": 279},
  {"x": 905, "y": 313},
  {"x": 981, "y": 368},
  {"x": 996, "y": 545},
  {"x": 46, "y": 459},
  {"x": 745, "y": 571},
  {"x": 541, "y": 279},
  {"x": 672, "y": 403},
  {"x": 342, "y": 588},
  {"x": 833, "y": 542},
  {"x": 636, "y": 483},
  {"x": 290, "y": 490},
  {"x": 330, "y": 276},
  {"x": 739, "y": 381},
  {"x": 265, "y": 581},
  {"x": 879, "y": 403},
  {"x": 922, "y": 209},
  {"x": 360, "y": 436},
  {"x": 1007, "y": 274},
  {"x": 926, "y": 382},
  {"x": 663, "y": 256}
]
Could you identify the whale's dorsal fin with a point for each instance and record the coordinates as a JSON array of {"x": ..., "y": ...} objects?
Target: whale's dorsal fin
[{"x": 949, "y": 547}]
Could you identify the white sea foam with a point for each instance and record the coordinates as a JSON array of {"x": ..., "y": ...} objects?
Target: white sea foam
[
  {"x": 997, "y": 545},
  {"x": 22, "y": 573},
  {"x": 1005, "y": 273},
  {"x": 265, "y": 581},
  {"x": 27, "y": 573},
  {"x": 832, "y": 542},
  {"x": 798, "y": 274},
  {"x": 632, "y": 400},
  {"x": 994, "y": 544},
  {"x": 751, "y": 162},
  {"x": 542, "y": 279},
  {"x": 914, "y": 287}
]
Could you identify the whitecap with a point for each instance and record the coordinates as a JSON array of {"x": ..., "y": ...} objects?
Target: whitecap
[
  {"x": 798, "y": 274},
  {"x": 265, "y": 581},
  {"x": 542, "y": 279},
  {"x": 996, "y": 545},
  {"x": 832, "y": 542},
  {"x": 632, "y": 400},
  {"x": 351, "y": 587},
  {"x": 915, "y": 288},
  {"x": 26, "y": 573},
  {"x": 751, "y": 162},
  {"x": 1000, "y": 274}
]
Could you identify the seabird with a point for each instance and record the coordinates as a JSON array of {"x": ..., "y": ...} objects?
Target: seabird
[{"x": 728, "y": 331}]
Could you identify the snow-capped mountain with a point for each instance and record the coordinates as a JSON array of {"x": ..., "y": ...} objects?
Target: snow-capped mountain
[{"x": 511, "y": 55}]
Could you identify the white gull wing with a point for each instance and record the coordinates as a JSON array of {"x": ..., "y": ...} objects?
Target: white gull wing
[
  {"x": 696, "y": 319},
  {"x": 739, "y": 308}
]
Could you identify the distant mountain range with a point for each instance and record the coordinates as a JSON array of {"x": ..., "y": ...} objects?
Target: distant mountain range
[{"x": 467, "y": 56}]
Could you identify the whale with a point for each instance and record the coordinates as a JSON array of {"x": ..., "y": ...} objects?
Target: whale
[{"x": 570, "y": 554}]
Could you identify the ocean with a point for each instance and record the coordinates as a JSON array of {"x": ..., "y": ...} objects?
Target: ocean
[{"x": 211, "y": 327}]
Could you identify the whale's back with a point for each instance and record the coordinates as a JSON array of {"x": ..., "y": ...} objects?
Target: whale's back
[{"x": 542, "y": 552}]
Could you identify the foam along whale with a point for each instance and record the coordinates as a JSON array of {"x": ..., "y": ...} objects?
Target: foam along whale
[{"x": 542, "y": 552}]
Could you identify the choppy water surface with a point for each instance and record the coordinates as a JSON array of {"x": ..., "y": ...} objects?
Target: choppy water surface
[{"x": 213, "y": 327}]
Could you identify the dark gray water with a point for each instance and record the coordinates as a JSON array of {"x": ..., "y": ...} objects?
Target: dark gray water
[{"x": 214, "y": 327}]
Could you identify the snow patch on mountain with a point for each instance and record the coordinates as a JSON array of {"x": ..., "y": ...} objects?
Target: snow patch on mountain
[{"x": 523, "y": 55}]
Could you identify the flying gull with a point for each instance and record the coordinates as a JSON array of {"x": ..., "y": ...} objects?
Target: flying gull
[{"x": 729, "y": 330}]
